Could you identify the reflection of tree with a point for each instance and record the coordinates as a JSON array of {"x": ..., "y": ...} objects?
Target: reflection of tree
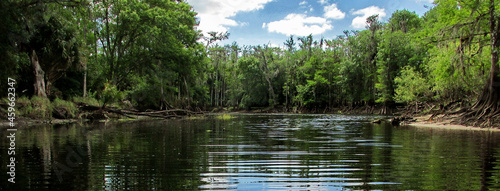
[
  {"x": 440, "y": 159},
  {"x": 488, "y": 159},
  {"x": 366, "y": 160},
  {"x": 46, "y": 149},
  {"x": 147, "y": 156}
]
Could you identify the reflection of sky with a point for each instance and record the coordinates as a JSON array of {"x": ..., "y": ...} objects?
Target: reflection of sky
[{"x": 289, "y": 167}]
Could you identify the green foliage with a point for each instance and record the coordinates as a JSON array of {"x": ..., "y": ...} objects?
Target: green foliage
[
  {"x": 254, "y": 91},
  {"x": 24, "y": 106},
  {"x": 67, "y": 108},
  {"x": 411, "y": 86},
  {"x": 405, "y": 21},
  {"x": 304, "y": 95},
  {"x": 89, "y": 100},
  {"x": 111, "y": 94},
  {"x": 453, "y": 79},
  {"x": 34, "y": 108},
  {"x": 151, "y": 93},
  {"x": 395, "y": 52},
  {"x": 42, "y": 108},
  {"x": 148, "y": 39}
]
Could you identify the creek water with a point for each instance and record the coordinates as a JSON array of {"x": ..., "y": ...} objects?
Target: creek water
[{"x": 252, "y": 152}]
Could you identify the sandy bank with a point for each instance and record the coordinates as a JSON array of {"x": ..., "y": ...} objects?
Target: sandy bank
[{"x": 445, "y": 124}]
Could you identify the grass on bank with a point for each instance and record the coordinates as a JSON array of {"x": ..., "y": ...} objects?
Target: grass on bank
[{"x": 42, "y": 108}]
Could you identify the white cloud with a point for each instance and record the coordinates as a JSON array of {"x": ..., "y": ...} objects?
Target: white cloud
[
  {"x": 323, "y": 2},
  {"x": 243, "y": 24},
  {"x": 214, "y": 14},
  {"x": 333, "y": 12},
  {"x": 360, "y": 21},
  {"x": 303, "y": 3},
  {"x": 299, "y": 24}
]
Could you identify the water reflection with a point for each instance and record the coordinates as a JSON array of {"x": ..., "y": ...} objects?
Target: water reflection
[{"x": 253, "y": 152}]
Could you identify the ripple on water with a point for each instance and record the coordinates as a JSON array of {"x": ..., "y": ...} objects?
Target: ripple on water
[{"x": 293, "y": 165}]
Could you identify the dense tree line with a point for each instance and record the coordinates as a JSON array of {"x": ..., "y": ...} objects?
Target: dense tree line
[
  {"x": 151, "y": 53},
  {"x": 442, "y": 56}
]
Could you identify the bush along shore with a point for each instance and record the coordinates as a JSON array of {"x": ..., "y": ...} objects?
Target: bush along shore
[{"x": 37, "y": 110}]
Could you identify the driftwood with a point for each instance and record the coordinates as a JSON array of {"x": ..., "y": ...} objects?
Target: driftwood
[{"x": 130, "y": 113}]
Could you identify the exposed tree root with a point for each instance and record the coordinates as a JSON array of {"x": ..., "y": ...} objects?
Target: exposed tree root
[{"x": 484, "y": 115}]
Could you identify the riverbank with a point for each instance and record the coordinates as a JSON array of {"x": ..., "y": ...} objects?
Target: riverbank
[
  {"x": 419, "y": 121},
  {"x": 425, "y": 121},
  {"x": 415, "y": 117},
  {"x": 37, "y": 111},
  {"x": 26, "y": 122},
  {"x": 59, "y": 112}
]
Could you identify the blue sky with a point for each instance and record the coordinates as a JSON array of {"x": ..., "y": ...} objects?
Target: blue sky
[{"x": 257, "y": 22}]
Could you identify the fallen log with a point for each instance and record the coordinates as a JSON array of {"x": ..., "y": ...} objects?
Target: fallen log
[{"x": 165, "y": 114}]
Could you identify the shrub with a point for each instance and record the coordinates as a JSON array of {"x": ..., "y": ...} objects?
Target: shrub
[
  {"x": 24, "y": 107},
  {"x": 411, "y": 86},
  {"x": 41, "y": 108},
  {"x": 64, "y": 109},
  {"x": 86, "y": 100},
  {"x": 111, "y": 94}
]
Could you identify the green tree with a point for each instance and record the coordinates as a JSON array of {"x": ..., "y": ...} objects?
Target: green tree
[
  {"x": 255, "y": 89},
  {"x": 267, "y": 57},
  {"x": 395, "y": 51},
  {"x": 42, "y": 33},
  {"x": 373, "y": 25},
  {"x": 412, "y": 87},
  {"x": 404, "y": 21},
  {"x": 149, "y": 38}
]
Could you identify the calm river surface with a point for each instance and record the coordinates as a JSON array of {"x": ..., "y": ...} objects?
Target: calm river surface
[{"x": 252, "y": 152}]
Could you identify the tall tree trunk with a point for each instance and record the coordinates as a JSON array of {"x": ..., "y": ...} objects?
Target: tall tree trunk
[
  {"x": 216, "y": 86},
  {"x": 267, "y": 75},
  {"x": 188, "y": 95},
  {"x": 495, "y": 45},
  {"x": 110, "y": 51},
  {"x": 48, "y": 87},
  {"x": 489, "y": 97},
  {"x": 486, "y": 106},
  {"x": 84, "y": 79},
  {"x": 39, "y": 76}
]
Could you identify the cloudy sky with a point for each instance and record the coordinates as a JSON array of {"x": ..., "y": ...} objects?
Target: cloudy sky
[{"x": 257, "y": 22}]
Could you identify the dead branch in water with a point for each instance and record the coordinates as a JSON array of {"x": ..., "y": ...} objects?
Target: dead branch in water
[{"x": 165, "y": 114}]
